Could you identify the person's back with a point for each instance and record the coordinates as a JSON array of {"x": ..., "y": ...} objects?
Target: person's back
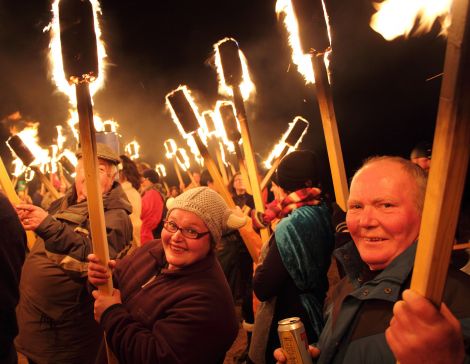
[{"x": 12, "y": 255}]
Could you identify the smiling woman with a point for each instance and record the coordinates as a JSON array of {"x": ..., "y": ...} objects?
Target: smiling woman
[{"x": 173, "y": 303}]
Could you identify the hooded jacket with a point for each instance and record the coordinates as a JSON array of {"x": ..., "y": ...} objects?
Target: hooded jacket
[{"x": 55, "y": 313}]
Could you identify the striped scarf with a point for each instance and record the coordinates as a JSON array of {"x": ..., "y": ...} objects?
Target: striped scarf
[{"x": 277, "y": 210}]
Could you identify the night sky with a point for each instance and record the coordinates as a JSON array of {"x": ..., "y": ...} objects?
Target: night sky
[{"x": 384, "y": 93}]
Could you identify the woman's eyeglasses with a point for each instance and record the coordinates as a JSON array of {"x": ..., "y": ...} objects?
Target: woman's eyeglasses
[{"x": 186, "y": 232}]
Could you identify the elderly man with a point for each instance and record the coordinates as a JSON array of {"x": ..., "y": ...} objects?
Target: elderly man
[
  {"x": 55, "y": 312},
  {"x": 367, "y": 321}
]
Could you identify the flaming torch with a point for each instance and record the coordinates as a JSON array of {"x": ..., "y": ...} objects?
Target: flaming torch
[
  {"x": 171, "y": 148},
  {"x": 132, "y": 149},
  {"x": 288, "y": 143},
  {"x": 232, "y": 73},
  {"x": 211, "y": 133},
  {"x": 309, "y": 37},
  {"x": 78, "y": 41},
  {"x": 161, "y": 170},
  {"x": 24, "y": 154},
  {"x": 183, "y": 161},
  {"x": 186, "y": 117},
  {"x": 232, "y": 130},
  {"x": 450, "y": 152}
]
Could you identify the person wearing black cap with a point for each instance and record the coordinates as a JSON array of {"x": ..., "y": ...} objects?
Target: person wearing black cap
[
  {"x": 153, "y": 205},
  {"x": 292, "y": 279},
  {"x": 55, "y": 312}
]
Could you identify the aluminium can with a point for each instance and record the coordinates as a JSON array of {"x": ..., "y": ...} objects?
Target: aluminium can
[{"x": 294, "y": 341}]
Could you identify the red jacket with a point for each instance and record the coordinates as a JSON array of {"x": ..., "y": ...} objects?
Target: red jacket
[
  {"x": 152, "y": 210},
  {"x": 170, "y": 316}
]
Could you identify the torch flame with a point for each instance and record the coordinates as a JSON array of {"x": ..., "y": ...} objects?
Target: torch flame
[
  {"x": 247, "y": 87},
  {"x": 398, "y": 17},
  {"x": 55, "y": 54},
  {"x": 300, "y": 59},
  {"x": 29, "y": 136},
  {"x": 194, "y": 149},
  {"x": 132, "y": 149},
  {"x": 279, "y": 147},
  {"x": 183, "y": 159},
  {"x": 219, "y": 125},
  {"x": 170, "y": 147},
  {"x": 161, "y": 170}
]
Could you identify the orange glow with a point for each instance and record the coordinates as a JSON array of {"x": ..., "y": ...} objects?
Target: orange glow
[
  {"x": 247, "y": 87},
  {"x": 395, "y": 18},
  {"x": 219, "y": 125},
  {"x": 301, "y": 60}
]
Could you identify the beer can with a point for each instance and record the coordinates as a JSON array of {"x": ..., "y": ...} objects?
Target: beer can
[{"x": 294, "y": 341}]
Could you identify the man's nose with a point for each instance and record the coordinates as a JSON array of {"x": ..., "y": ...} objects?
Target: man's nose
[{"x": 368, "y": 217}]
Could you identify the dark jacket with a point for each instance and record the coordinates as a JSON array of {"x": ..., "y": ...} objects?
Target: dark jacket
[
  {"x": 55, "y": 313},
  {"x": 170, "y": 316},
  {"x": 295, "y": 272},
  {"x": 361, "y": 308},
  {"x": 12, "y": 255}
]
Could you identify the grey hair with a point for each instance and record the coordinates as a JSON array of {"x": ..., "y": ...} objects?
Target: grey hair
[{"x": 416, "y": 173}]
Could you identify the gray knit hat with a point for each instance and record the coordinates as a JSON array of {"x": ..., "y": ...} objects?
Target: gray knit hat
[{"x": 211, "y": 208}]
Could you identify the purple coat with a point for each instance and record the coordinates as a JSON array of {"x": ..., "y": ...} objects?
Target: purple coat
[{"x": 170, "y": 316}]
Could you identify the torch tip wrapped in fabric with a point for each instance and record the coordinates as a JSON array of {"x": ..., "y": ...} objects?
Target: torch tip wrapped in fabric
[
  {"x": 230, "y": 122},
  {"x": 231, "y": 63},
  {"x": 183, "y": 110},
  {"x": 21, "y": 150},
  {"x": 78, "y": 40}
]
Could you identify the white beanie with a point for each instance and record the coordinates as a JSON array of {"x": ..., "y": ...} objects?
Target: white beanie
[{"x": 211, "y": 208}]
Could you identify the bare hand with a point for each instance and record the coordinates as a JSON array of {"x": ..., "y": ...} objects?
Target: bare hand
[
  {"x": 420, "y": 333},
  {"x": 31, "y": 216},
  {"x": 281, "y": 358},
  {"x": 98, "y": 274},
  {"x": 103, "y": 301}
]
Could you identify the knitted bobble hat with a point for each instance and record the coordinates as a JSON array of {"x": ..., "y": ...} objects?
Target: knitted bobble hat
[{"x": 210, "y": 207}]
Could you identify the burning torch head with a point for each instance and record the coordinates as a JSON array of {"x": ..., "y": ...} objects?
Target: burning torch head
[
  {"x": 183, "y": 111},
  {"x": 231, "y": 63},
  {"x": 230, "y": 122},
  {"x": 78, "y": 40},
  {"x": 313, "y": 30},
  {"x": 67, "y": 165},
  {"x": 296, "y": 132},
  {"x": 21, "y": 150}
]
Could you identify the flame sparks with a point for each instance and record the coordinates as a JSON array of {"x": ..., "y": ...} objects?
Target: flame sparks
[
  {"x": 247, "y": 87},
  {"x": 300, "y": 59},
  {"x": 395, "y": 18},
  {"x": 55, "y": 54},
  {"x": 132, "y": 149},
  {"x": 279, "y": 147}
]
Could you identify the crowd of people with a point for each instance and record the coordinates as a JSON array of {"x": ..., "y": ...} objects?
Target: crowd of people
[{"x": 180, "y": 267}]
